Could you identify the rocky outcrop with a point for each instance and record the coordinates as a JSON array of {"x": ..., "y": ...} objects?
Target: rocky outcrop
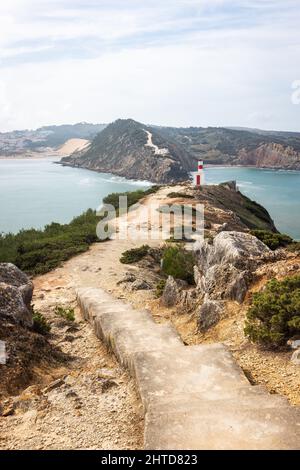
[
  {"x": 16, "y": 291},
  {"x": 172, "y": 292},
  {"x": 270, "y": 155},
  {"x": 225, "y": 270}
]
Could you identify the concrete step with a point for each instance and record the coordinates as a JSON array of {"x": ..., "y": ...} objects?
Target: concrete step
[
  {"x": 194, "y": 397},
  {"x": 223, "y": 426},
  {"x": 124, "y": 330},
  {"x": 250, "y": 396},
  {"x": 208, "y": 370}
]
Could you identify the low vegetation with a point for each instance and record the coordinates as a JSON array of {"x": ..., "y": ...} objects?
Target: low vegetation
[
  {"x": 271, "y": 239},
  {"x": 132, "y": 196},
  {"x": 134, "y": 255},
  {"x": 274, "y": 315},
  {"x": 65, "y": 313},
  {"x": 160, "y": 288},
  {"x": 40, "y": 324},
  {"x": 39, "y": 251},
  {"x": 180, "y": 195},
  {"x": 179, "y": 263}
]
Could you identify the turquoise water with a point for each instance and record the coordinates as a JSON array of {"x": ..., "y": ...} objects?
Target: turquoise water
[
  {"x": 34, "y": 193},
  {"x": 277, "y": 190}
]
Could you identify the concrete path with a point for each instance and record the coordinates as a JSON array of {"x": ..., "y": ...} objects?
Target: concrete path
[{"x": 194, "y": 397}]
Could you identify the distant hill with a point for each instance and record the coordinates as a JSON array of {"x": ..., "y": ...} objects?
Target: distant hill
[
  {"x": 19, "y": 142},
  {"x": 134, "y": 150},
  {"x": 217, "y": 145}
]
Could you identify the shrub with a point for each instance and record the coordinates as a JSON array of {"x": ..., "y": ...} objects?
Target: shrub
[
  {"x": 274, "y": 315},
  {"x": 132, "y": 196},
  {"x": 39, "y": 251},
  {"x": 179, "y": 263},
  {"x": 66, "y": 313},
  {"x": 134, "y": 255},
  {"x": 180, "y": 195},
  {"x": 40, "y": 324},
  {"x": 160, "y": 288},
  {"x": 271, "y": 239}
]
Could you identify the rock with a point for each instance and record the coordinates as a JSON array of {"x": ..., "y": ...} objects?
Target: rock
[
  {"x": 210, "y": 313},
  {"x": 224, "y": 269},
  {"x": 129, "y": 277},
  {"x": 13, "y": 276},
  {"x": 55, "y": 384},
  {"x": 106, "y": 373},
  {"x": 294, "y": 342},
  {"x": 172, "y": 291},
  {"x": 140, "y": 285},
  {"x": 295, "y": 359},
  {"x": 106, "y": 384},
  {"x": 12, "y": 305},
  {"x": 8, "y": 410}
]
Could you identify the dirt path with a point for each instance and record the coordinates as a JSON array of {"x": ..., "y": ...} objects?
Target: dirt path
[{"x": 90, "y": 402}]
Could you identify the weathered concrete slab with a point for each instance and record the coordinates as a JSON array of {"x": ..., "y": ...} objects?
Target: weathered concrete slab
[
  {"x": 207, "y": 370},
  {"x": 223, "y": 426},
  {"x": 194, "y": 397}
]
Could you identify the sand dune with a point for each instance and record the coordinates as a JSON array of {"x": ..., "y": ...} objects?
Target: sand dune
[{"x": 72, "y": 145}]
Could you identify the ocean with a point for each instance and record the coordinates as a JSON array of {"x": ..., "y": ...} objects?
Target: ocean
[{"x": 34, "y": 193}]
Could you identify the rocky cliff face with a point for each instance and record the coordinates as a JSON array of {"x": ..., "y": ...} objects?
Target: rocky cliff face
[
  {"x": 270, "y": 155},
  {"x": 133, "y": 150}
]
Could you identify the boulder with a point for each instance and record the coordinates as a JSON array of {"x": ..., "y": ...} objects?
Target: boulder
[
  {"x": 16, "y": 291},
  {"x": 12, "y": 305},
  {"x": 296, "y": 357},
  {"x": 210, "y": 313},
  {"x": 172, "y": 292},
  {"x": 13, "y": 276},
  {"x": 140, "y": 285}
]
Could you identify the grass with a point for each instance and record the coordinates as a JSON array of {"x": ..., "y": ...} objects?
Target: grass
[
  {"x": 66, "y": 313},
  {"x": 40, "y": 324},
  {"x": 134, "y": 255}
]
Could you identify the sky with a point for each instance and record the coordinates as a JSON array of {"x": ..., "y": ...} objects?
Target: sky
[{"x": 170, "y": 62}]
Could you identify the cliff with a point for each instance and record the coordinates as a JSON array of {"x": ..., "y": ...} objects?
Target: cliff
[{"x": 133, "y": 150}]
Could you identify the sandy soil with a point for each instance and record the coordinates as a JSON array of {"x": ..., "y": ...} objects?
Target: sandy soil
[{"x": 72, "y": 145}]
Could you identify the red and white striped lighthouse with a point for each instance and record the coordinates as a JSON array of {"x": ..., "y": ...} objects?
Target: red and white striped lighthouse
[{"x": 199, "y": 176}]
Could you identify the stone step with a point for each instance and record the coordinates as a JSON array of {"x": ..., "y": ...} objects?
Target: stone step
[
  {"x": 124, "y": 330},
  {"x": 194, "y": 397},
  {"x": 223, "y": 426},
  {"x": 251, "y": 396},
  {"x": 208, "y": 370}
]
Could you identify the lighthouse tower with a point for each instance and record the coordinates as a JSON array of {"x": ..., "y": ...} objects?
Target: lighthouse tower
[{"x": 199, "y": 176}]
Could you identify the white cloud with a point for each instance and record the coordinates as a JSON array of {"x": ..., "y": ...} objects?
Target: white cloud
[{"x": 183, "y": 62}]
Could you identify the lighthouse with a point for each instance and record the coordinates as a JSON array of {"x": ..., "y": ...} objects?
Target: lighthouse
[{"x": 199, "y": 176}]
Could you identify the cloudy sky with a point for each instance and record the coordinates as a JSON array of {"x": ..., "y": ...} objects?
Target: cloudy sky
[{"x": 175, "y": 62}]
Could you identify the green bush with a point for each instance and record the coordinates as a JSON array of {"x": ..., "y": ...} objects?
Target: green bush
[
  {"x": 274, "y": 315},
  {"x": 132, "y": 196},
  {"x": 271, "y": 239},
  {"x": 160, "y": 288},
  {"x": 134, "y": 255},
  {"x": 40, "y": 324},
  {"x": 66, "y": 313},
  {"x": 40, "y": 251},
  {"x": 179, "y": 263}
]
